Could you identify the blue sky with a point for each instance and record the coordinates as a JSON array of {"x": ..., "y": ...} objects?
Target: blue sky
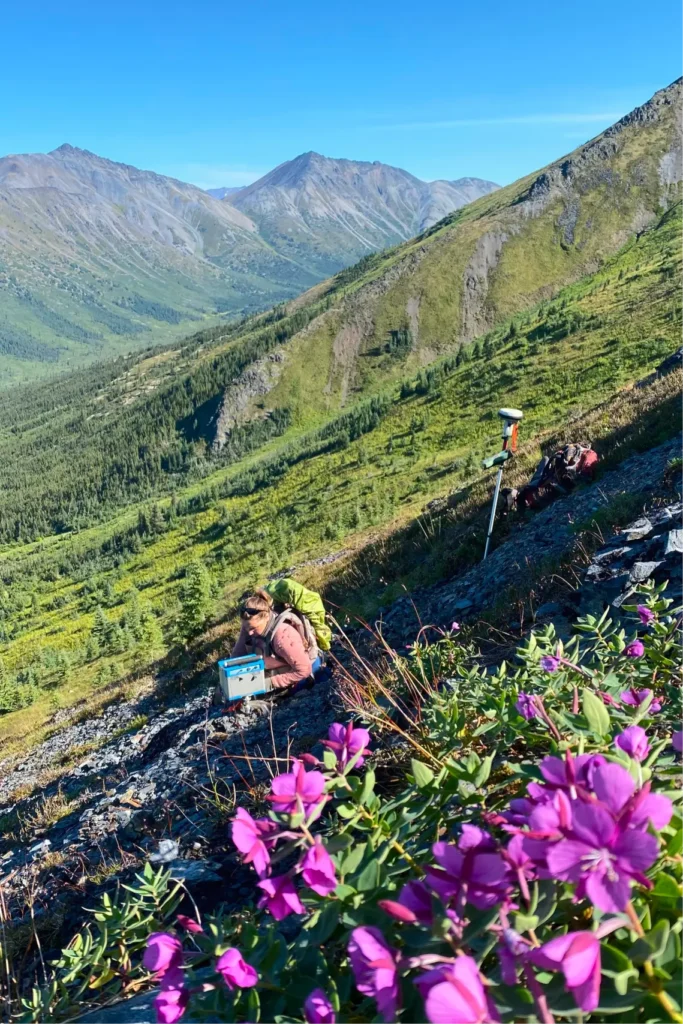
[{"x": 219, "y": 93}]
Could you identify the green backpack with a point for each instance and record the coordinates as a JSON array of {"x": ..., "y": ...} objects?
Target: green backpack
[{"x": 306, "y": 602}]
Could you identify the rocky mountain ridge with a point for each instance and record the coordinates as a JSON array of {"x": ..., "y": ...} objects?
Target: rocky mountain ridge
[
  {"x": 96, "y": 254},
  {"x": 315, "y": 207}
]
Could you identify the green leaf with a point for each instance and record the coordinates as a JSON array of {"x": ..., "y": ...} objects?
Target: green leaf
[
  {"x": 346, "y": 811},
  {"x": 368, "y": 786},
  {"x": 658, "y": 937},
  {"x": 666, "y": 889},
  {"x": 327, "y": 921},
  {"x": 614, "y": 961},
  {"x": 344, "y": 891},
  {"x": 353, "y": 858},
  {"x": 596, "y": 713},
  {"x": 482, "y": 775},
  {"x": 369, "y": 877},
  {"x": 423, "y": 775},
  {"x": 523, "y": 922},
  {"x": 614, "y": 1002},
  {"x": 675, "y": 844},
  {"x": 329, "y": 759}
]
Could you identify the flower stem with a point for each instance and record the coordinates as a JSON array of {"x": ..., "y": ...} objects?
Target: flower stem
[
  {"x": 653, "y": 983},
  {"x": 544, "y": 1014}
]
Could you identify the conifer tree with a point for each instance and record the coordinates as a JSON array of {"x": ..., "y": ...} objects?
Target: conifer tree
[
  {"x": 152, "y": 642},
  {"x": 100, "y": 628},
  {"x": 196, "y": 600}
]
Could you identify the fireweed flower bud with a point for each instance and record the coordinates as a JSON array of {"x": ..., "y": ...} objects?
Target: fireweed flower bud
[
  {"x": 645, "y": 615},
  {"x": 633, "y": 741},
  {"x": 163, "y": 952},
  {"x": 526, "y": 705},
  {"x": 235, "y": 971},
  {"x": 318, "y": 1009}
]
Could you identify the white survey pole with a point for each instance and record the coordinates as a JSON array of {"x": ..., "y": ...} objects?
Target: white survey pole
[
  {"x": 510, "y": 418},
  {"x": 499, "y": 477}
]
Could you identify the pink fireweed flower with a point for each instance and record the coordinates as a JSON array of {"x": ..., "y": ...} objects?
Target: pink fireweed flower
[
  {"x": 568, "y": 773},
  {"x": 615, "y": 790},
  {"x": 577, "y": 955},
  {"x": 235, "y": 971},
  {"x": 549, "y": 663},
  {"x": 189, "y": 924},
  {"x": 635, "y": 698},
  {"x": 677, "y": 741},
  {"x": 645, "y": 614},
  {"x": 298, "y": 791},
  {"x": 414, "y": 904},
  {"x": 318, "y": 1009},
  {"x": 280, "y": 897},
  {"x": 633, "y": 741},
  {"x": 602, "y": 852},
  {"x": 454, "y": 994},
  {"x": 468, "y": 873},
  {"x": 374, "y": 966},
  {"x": 526, "y": 705},
  {"x": 318, "y": 870},
  {"x": 346, "y": 742},
  {"x": 636, "y": 649},
  {"x": 455, "y": 626},
  {"x": 171, "y": 1001},
  {"x": 163, "y": 952},
  {"x": 252, "y": 837}
]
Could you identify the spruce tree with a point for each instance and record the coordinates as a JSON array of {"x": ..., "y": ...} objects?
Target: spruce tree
[
  {"x": 196, "y": 600},
  {"x": 152, "y": 642},
  {"x": 100, "y": 629}
]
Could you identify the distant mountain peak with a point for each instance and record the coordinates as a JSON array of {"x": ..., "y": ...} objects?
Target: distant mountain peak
[{"x": 324, "y": 212}]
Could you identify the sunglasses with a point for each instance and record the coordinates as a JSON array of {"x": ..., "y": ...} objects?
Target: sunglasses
[{"x": 249, "y": 613}]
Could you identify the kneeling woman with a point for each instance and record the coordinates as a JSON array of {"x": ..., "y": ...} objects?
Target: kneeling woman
[{"x": 277, "y": 639}]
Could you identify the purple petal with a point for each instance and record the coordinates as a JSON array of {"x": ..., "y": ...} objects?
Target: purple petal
[
  {"x": 613, "y": 786},
  {"x": 608, "y": 894},
  {"x": 655, "y": 808},
  {"x": 554, "y": 771},
  {"x": 593, "y": 824},
  {"x": 635, "y": 850},
  {"x": 565, "y": 859}
]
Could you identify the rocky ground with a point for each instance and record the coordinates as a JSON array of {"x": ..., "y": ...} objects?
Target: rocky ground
[
  {"x": 170, "y": 779},
  {"x": 547, "y": 538}
]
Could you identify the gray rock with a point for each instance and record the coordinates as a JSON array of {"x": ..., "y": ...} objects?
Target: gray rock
[
  {"x": 40, "y": 849},
  {"x": 638, "y": 530},
  {"x": 674, "y": 542},
  {"x": 642, "y": 571},
  {"x": 138, "y": 1010},
  {"x": 194, "y": 871},
  {"x": 168, "y": 851}
]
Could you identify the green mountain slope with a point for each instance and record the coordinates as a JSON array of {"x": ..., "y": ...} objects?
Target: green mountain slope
[
  {"x": 271, "y": 443},
  {"x": 72, "y": 453},
  {"x": 348, "y": 485}
]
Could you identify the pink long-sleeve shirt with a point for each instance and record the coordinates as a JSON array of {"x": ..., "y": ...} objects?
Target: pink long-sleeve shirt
[{"x": 288, "y": 649}]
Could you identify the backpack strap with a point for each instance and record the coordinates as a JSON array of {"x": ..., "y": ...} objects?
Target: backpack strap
[{"x": 300, "y": 623}]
